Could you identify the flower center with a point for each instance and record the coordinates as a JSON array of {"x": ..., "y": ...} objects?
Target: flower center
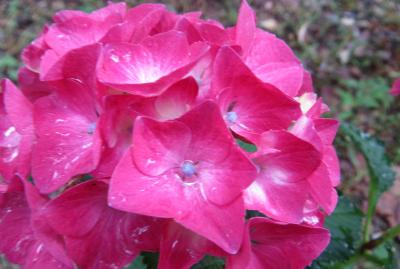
[
  {"x": 231, "y": 116},
  {"x": 188, "y": 168},
  {"x": 91, "y": 128}
]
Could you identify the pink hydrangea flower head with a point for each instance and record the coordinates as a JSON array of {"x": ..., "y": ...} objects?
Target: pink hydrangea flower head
[{"x": 128, "y": 134}]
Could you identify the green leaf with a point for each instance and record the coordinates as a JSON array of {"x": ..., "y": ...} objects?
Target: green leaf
[
  {"x": 246, "y": 146},
  {"x": 393, "y": 257},
  {"x": 253, "y": 213},
  {"x": 381, "y": 174},
  {"x": 385, "y": 253},
  {"x": 138, "y": 263},
  {"x": 209, "y": 262},
  {"x": 374, "y": 153},
  {"x": 146, "y": 260},
  {"x": 345, "y": 227},
  {"x": 150, "y": 259}
]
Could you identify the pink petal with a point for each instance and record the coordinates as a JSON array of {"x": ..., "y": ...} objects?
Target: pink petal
[
  {"x": 307, "y": 83},
  {"x": 79, "y": 64},
  {"x": 110, "y": 158},
  {"x": 192, "y": 34},
  {"x": 143, "y": 19},
  {"x": 223, "y": 225},
  {"x": 327, "y": 129},
  {"x": 32, "y": 54},
  {"x": 281, "y": 190},
  {"x": 267, "y": 48},
  {"x": 211, "y": 140},
  {"x": 236, "y": 171},
  {"x": 281, "y": 246},
  {"x": 31, "y": 85},
  {"x": 294, "y": 160},
  {"x": 181, "y": 248},
  {"x": 244, "y": 257},
  {"x": 214, "y": 34},
  {"x": 116, "y": 121},
  {"x": 75, "y": 29},
  {"x": 147, "y": 69},
  {"x": 130, "y": 190},
  {"x": 313, "y": 215},
  {"x": 23, "y": 242},
  {"x": 177, "y": 99},
  {"x": 18, "y": 108},
  {"x": 17, "y": 136},
  {"x": 395, "y": 90},
  {"x": 304, "y": 128},
  {"x": 10, "y": 140},
  {"x": 84, "y": 202},
  {"x": 156, "y": 148},
  {"x": 322, "y": 190},
  {"x": 288, "y": 77},
  {"x": 68, "y": 139},
  {"x": 105, "y": 238},
  {"x": 245, "y": 27},
  {"x": 331, "y": 160},
  {"x": 281, "y": 201},
  {"x": 258, "y": 107}
]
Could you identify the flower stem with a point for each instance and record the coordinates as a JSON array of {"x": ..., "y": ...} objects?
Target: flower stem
[{"x": 388, "y": 235}]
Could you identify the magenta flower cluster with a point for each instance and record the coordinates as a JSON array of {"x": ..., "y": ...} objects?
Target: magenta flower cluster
[{"x": 124, "y": 137}]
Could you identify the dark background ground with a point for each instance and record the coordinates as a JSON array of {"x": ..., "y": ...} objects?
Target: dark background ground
[{"x": 351, "y": 47}]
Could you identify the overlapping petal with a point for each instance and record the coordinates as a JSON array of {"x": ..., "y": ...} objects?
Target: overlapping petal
[
  {"x": 67, "y": 136},
  {"x": 16, "y": 132},
  {"x": 250, "y": 107},
  {"x": 148, "y": 68},
  {"x": 181, "y": 248},
  {"x": 270, "y": 244},
  {"x": 96, "y": 235},
  {"x": 24, "y": 242}
]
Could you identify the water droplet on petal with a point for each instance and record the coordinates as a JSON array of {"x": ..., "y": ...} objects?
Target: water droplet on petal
[
  {"x": 203, "y": 193},
  {"x": 114, "y": 58},
  {"x": 127, "y": 57},
  {"x": 87, "y": 145},
  {"x": 9, "y": 131},
  {"x": 55, "y": 175},
  {"x": 39, "y": 249},
  {"x": 150, "y": 161},
  {"x": 10, "y": 154}
]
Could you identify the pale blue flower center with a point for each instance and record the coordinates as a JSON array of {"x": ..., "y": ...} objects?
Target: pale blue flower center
[
  {"x": 91, "y": 128},
  {"x": 188, "y": 169},
  {"x": 231, "y": 116}
]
